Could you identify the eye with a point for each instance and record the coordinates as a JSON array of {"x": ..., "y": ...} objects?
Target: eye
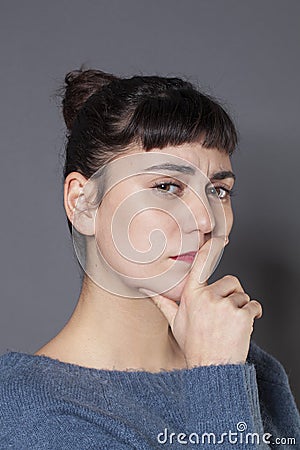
[
  {"x": 168, "y": 187},
  {"x": 222, "y": 192}
]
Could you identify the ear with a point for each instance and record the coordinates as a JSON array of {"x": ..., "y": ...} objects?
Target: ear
[{"x": 78, "y": 210}]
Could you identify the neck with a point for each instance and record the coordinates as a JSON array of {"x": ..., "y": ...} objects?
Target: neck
[{"x": 116, "y": 333}]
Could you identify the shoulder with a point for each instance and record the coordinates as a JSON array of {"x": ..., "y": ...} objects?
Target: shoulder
[
  {"x": 21, "y": 384},
  {"x": 19, "y": 371},
  {"x": 26, "y": 378},
  {"x": 35, "y": 403},
  {"x": 16, "y": 399},
  {"x": 29, "y": 385}
]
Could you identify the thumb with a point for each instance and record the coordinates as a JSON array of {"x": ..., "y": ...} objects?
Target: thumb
[
  {"x": 167, "y": 306},
  {"x": 205, "y": 262}
]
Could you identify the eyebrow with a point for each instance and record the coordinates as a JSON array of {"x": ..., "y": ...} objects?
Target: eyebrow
[{"x": 191, "y": 171}]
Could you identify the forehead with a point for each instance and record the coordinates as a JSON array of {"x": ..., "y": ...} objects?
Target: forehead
[{"x": 206, "y": 159}]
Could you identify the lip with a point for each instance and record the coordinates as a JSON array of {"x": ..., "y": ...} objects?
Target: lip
[{"x": 186, "y": 257}]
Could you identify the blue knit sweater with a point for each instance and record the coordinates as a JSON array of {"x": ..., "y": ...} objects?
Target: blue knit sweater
[{"x": 53, "y": 405}]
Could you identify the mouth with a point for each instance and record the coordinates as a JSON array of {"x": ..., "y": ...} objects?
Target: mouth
[{"x": 185, "y": 257}]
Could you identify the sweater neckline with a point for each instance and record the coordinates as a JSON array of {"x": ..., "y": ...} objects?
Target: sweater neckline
[{"x": 20, "y": 358}]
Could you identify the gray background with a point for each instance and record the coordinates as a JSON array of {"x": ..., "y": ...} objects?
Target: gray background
[{"x": 246, "y": 53}]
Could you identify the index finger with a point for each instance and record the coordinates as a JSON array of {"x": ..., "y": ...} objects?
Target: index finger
[{"x": 205, "y": 262}]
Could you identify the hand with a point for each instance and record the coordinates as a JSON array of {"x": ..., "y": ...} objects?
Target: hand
[{"x": 213, "y": 323}]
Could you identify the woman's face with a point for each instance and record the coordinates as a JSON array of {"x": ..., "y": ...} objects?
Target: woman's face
[{"x": 159, "y": 205}]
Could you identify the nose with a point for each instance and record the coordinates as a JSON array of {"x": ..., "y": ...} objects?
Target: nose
[{"x": 202, "y": 217}]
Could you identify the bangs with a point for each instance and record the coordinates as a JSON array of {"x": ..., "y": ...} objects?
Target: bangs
[{"x": 181, "y": 116}]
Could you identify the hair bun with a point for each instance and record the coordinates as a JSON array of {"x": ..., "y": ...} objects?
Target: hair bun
[{"x": 79, "y": 86}]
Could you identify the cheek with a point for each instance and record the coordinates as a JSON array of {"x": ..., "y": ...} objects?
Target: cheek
[
  {"x": 153, "y": 228},
  {"x": 134, "y": 244}
]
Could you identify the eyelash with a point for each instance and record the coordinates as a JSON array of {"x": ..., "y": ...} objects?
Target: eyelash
[{"x": 230, "y": 192}]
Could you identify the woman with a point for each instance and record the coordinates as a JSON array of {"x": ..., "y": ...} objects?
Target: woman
[{"x": 152, "y": 354}]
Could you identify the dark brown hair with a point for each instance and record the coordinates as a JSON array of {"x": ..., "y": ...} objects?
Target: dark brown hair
[{"x": 105, "y": 115}]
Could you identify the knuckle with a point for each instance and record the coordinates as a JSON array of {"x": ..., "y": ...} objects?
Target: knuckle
[
  {"x": 257, "y": 304},
  {"x": 247, "y": 297},
  {"x": 233, "y": 280},
  {"x": 230, "y": 278},
  {"x": 260, "y": 310},
  {"x": 254, "y": 307}
]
